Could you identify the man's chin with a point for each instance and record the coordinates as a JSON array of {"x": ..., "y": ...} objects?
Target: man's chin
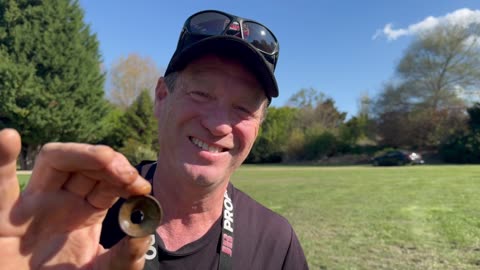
[
  {"x": 204, "y": 176},
  {"x": 206, "y": 180}
]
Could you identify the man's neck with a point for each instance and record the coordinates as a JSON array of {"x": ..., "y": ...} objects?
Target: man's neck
[{"x": 189, "y": 210}]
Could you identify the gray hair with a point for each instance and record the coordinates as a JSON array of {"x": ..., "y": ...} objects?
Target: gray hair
[{"x": 171, "y": 80}]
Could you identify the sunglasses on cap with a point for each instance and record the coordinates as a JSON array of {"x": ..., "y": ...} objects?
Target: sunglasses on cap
[{"x": 215, "y": 23}]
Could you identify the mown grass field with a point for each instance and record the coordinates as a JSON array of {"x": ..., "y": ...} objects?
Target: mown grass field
[
  {"x": 362, "y": 217},
  {"x": 414, "y": 217},
  {"x": 23, "y": 179}
]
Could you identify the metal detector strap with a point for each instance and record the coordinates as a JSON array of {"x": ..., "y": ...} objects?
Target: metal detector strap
[
  {"x": 151, "y": 256},
  {"x": 226, "y": 251},
  {"x": 150, "y": 173}
]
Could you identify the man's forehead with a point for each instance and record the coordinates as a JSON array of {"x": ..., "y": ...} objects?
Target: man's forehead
[{"x": 221, "y": 66}]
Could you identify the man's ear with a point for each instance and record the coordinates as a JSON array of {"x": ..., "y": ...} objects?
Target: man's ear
[{"x": 161, "y": 92}]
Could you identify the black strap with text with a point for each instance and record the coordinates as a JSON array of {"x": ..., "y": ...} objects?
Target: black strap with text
[{"x": 226, "y": 249}]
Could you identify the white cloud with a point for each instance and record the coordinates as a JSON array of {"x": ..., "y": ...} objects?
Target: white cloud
[{"x": 461, "y": 17}]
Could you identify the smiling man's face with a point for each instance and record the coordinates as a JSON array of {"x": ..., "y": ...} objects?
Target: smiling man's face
[{"x": 208, "y": 124}]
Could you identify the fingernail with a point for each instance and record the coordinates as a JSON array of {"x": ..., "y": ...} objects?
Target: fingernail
[{"x": 140, "y": 187}]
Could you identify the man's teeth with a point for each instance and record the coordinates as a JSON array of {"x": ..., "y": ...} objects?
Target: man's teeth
[{"x": 205, "y": 146}]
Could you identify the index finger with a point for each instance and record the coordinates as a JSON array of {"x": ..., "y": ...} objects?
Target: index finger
[{"x": 57, "y": 161}]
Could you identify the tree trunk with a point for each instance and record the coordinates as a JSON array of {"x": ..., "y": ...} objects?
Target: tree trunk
[{"x": 27, "y": 156}]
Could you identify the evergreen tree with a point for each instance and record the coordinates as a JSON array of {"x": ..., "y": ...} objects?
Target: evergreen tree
[
  {"x": 139, "y": 123},
  {"x": 51, "y": 83},
  {"x": 138, "y": 130}
]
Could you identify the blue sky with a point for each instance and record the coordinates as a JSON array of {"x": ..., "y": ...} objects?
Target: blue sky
[{"x": 341, "y": 48}]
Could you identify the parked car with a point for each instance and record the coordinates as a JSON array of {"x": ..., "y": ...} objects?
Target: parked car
[{"x": 397, "y": 157}]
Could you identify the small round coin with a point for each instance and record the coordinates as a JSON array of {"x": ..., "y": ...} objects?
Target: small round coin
[{"x": 140, "y": 216}]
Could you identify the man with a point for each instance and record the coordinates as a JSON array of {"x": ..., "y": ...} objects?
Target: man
[{"x": 209, "y": 107}]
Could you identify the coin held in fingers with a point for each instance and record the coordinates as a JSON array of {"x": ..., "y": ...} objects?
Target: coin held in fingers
[{"x": 140, "y": 216}]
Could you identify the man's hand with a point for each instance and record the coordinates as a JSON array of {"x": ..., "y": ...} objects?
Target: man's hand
[{"x": 56, "y": 222}]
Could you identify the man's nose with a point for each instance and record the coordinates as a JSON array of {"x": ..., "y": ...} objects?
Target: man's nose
[{"x": 218, "y": 122}]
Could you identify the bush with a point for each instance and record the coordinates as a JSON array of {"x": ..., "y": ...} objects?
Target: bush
[
  {"x": 320, "y": 146},
  {"x": 295, "y": 145},
  {"x": 264, "y": 152},
  {"x": 462, "y": 148},
  {"x": 369, "y": 150}
]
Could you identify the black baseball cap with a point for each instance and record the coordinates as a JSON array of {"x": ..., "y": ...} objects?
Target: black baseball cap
[{"x": 219, "y": 33}]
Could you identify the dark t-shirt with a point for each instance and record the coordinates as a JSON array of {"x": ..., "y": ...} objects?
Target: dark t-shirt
[{"x": 263, "y": 240}]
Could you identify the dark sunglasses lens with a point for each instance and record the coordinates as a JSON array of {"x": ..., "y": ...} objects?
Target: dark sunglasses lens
[
  {"x": 259, "y": 36},
  {"x": 208, "y": 23}
]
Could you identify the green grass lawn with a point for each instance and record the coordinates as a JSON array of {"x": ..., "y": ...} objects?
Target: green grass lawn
[
  {"x": 362, "y": 217},
  {"x": 414, "y": 217},
  {"x": 23, "y": 179}
]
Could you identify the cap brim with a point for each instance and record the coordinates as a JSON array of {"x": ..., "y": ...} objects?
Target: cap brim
[{"x": 232, "y": 47}]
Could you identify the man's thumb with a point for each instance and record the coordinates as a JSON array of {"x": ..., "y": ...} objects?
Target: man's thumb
[
  {"x": 10, "y": 146},
  {"x": 129, "y": 253}
]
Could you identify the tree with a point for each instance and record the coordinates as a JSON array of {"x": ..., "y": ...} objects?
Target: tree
[
  {"x": 440, "y": 62},
  {"x": 358, "y": 134},
  {"x": 328, "y": 116},
  {"x": 305, "y": 98},
  {"x": 364, "y": 106},
  {"x": 425, "y": 97},
  {"x": 315, "y": 110},
  {"x": 474, "y": 117},
  {"x": 364, "y": 122},
  {"x": 138, "y": 129},
  {"x": 315, "y": 126},
  {"x": 272, "y": 141},
  {"x": 51, "y": 85},
  {"x": 113, "y": 127},
  {"x": 130, "y": 76},
  {"x": 464, "y": 145},
  {"x": 352, "y": 131}
]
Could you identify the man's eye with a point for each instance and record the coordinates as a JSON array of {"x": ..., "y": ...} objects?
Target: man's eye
[
  {"x": 200, "y": 96},
  {"x": 244, "y": 111}
]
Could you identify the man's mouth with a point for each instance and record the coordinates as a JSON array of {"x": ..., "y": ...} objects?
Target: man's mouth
[{"x": 205, "y": 146}]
